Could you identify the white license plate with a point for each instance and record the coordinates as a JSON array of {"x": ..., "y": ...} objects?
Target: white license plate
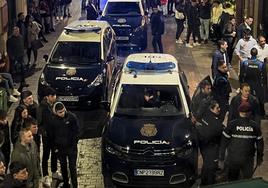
[
  {"x": 148, "y": 172},
  {"x": 122, "y": 38},
  {"x": 68, "y": 98}
]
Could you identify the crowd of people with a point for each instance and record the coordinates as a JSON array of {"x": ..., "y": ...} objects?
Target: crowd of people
[{"x": 59, "y": 131}]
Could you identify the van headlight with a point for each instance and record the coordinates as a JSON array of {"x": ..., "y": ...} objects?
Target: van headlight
[
  {"x": 43, "y": 81},
  {"x": 112, "y": 150},
  {"x": 185, "y": 150},
  {"x": 97, "y": 81}
]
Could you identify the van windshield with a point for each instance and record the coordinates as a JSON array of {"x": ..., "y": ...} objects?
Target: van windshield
[
  {"x": 149, "y": 100},
  {"x": 76, "y": 53},
  {"x": 130, "y": 8}
]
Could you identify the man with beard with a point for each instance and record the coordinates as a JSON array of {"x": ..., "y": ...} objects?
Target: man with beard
[
  {"x": 242, "y": 97},
  {"x": 262, "y": 48},
  {"x": 209, "y": 136},
  {"x": 222, "y": 88}
]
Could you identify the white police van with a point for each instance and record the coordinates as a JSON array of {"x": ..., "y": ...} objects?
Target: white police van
[
  {"x": 81, "y": 64},
  {"x": 149, "y": 140}
]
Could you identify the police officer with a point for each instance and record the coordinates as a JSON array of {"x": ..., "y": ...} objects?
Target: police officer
[
  {"x": 252, "y": 71},
  {"x": 244, "y": 96},
  {"x": 222, "y": 88},
  {"x": 240, "y": 137},
  {"x": 209, "y": 136},
  {"x": 65, "y": 136},
  {"x": 201, "y": 100}
]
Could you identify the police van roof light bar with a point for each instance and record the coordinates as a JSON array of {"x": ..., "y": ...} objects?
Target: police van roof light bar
[
  {"x": 82, "y": 28},
  {"x": 139, "y": 66}
]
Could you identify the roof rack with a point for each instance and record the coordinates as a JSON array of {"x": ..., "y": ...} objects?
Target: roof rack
[{"x": 82, "y": 28}]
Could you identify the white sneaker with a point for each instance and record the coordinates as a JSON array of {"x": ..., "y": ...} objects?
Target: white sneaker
[
  {"x": 196, "y": 44},
  {"x": 188, "y": 45},
  {"x": 46, "y": 181},
  {"x": 57, "y": 175},
  {"x": 13, "y": 99},
  {"x": 16, "y": 92},
  {"x": 179, "y": 41}
]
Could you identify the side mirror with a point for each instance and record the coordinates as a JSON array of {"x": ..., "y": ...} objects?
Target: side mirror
[
  {"x": 45, "y": 57},
  {"x": 110, "y": 58}
]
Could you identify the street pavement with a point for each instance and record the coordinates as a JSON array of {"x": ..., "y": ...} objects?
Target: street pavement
[{"x": 196, "y": 64}]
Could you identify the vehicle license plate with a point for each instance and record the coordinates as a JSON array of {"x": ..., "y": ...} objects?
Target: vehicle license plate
[
  {"x": 148, "y": 172},
  {"x": 122, "y": 38},
  {"x": 68, "y": 98}
]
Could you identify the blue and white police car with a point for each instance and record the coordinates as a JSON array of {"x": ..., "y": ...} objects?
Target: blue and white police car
[
  {"x": 81, "y": 64},
  {"x": 149, "y": 139}
]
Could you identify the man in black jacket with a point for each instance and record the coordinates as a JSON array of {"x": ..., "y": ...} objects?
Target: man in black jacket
[
  {"x": 65, "y": 136},
  {"x": 242, "y": 137},
  {"x": 204, "y": 13},
  {"x": 15, "y": 51},
  {"x": 44, "y": 114},
  {"x": 243, "y": 26},
  {"x": 158, "y": 28},
  {"x": 222, "y": 88},
  {"x": 244, "y": 96},
  {"x": 209, "y": 136}
]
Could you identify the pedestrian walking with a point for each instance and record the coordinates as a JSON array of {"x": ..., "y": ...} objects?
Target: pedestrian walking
[
  {"x": 205, "y": 15},
  {"x": 33, "y": 29},
  {"x": 15, "y": 51},
  {"x": 242, "y": 138},
  {"x": 5, "y": 146},
  {"x": 246, "y": 25},
  {"x": 21, "y": 25},
  {"x": 229, "y": 35},
  {"x": 65, "y": 138},
  {"x": 25, "y": 152},
  {"x": 193, "y": 22},
  {"x": 222, "y": 88},
  {"x": 44, "y": 114},
  {"x": 219, "y": 54},
  {"x": 45, "y": 15},
  {"x": 209, "y": 136},
  {"x": 216, "y": 13},
  {"x": 18, "y": 176},
  {"x": 201, "y": 100},
  {"x": 180, "y": 17},
  {"x": 244, "y": 96},
  {"x": 21, "y": 114},
  {"x": 158, "y": 29}
]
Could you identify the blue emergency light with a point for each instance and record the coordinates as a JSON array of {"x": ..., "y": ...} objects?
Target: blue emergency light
[{"x": 163, "y": 66}]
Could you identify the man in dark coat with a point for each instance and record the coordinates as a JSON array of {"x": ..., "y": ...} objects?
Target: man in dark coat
[
  {"x": 244, "y": 96},
  {"x": 25, "y": 152},
  {"x": 209, "y": 136},
  {"x": 243, "y": 26},
  {"x": 222, "y": 88},
  {"x": 15, "y": 51},
  {"x": 201, "y": 100},
  {"x": 28, "y": 101},
  {"x": 65, "y": 138},
  {"x": 242, "y": 138},
  {"x": 17, "y": 178},
  {"x": 6, "y": 145},
  {"x": 219, "y": 54},
  {"x": 44, "y": 114},
  {"x": 158, "y": 28}
]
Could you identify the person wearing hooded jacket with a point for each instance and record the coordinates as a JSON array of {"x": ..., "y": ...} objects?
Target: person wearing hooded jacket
[{"x": 65, "y": 136}]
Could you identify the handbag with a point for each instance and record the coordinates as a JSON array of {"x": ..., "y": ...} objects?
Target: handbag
[
  {"x": 36, "y": 44},
  {"x": 179, "y": 15}
]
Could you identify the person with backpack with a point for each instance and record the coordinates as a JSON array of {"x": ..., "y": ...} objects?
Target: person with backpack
[{"x": 158, "y": 28}]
